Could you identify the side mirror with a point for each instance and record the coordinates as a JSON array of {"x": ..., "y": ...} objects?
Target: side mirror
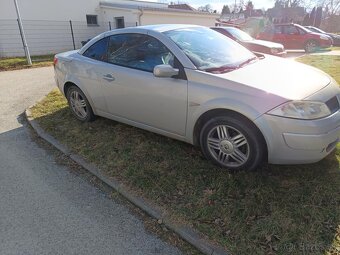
[{"x": 165, "y": 71}]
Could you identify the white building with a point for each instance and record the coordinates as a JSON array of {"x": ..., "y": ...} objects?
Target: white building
[{"x": 48, "y": 29}]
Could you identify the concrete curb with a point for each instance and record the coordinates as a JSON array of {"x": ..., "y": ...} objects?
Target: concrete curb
[{"x": 188, "y": 234}]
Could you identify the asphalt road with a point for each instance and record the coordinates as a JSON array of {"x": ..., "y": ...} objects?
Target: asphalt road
[{"x": 45, "y": 208}]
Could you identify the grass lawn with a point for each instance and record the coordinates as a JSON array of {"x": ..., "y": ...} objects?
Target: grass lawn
[
  {"x": 328, "y": 64},
  {"x": 276, "y": 210},
  {"x": 20, "y": 62}
]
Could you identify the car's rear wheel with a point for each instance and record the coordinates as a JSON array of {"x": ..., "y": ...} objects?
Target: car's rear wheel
[
  {"x": 233, "y": 143},
  {"x": 79, "y": 105},
  {"x": 311, "y": 46}
]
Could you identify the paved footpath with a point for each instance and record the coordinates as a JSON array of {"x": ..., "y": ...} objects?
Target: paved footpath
[
  {"x": 328, "y": 53},
  {"x": 293, "y": 54},
  {"x": 44, "y": 208}
]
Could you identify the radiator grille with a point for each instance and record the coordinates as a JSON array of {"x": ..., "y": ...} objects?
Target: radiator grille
[{"x": 333, "y": 104}]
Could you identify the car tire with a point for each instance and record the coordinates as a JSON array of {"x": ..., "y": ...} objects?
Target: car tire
[
  {"x": 79, "y": 105},
  {"x": 311, "y": 46},
  {"x": 233, "y": 142}
]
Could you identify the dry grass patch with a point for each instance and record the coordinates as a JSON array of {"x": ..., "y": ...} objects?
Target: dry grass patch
[{"x": 7, "y": 64}]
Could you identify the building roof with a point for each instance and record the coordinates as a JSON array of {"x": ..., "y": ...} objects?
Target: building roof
[
  {"x": 147, "y": 8},
  {"x": 182, "y": 7}
]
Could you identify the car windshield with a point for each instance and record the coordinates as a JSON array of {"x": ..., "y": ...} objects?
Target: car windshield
[
  {"x": 239, "y": 34},
  {"x": 208, "y": 49},
  {"x": 303, "y": 28}
]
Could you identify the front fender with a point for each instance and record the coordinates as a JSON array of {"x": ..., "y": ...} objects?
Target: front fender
[{"x": 196, "y": 111}]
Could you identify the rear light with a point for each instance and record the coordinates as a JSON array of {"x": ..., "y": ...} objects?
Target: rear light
[{"x": 55, "y": 61}]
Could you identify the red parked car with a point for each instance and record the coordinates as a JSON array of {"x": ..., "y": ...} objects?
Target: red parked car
[
  {"x": 294, "y": 36},
  {"x": 249, "y": 42}
]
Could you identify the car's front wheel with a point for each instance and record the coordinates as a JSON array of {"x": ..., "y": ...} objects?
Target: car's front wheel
[
  {"x": 80, "y": 106},
  {"x": 232, "y": 142},
  {"x": 311, "y": 46}
]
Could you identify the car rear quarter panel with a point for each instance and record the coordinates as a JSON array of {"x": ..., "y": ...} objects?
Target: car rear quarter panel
[{"x": 73, "y": 68}]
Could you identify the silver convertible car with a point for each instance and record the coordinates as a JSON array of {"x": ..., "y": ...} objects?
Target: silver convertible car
[{"x": 193, "y": 84}]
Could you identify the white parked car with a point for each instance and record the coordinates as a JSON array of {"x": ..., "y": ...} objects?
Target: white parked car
[{"x": 196, "y": 85}]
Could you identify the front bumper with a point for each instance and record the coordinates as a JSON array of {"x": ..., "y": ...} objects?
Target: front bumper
[
  {"x": 292, "y": 141},
  {"x": 325, "y": 43},
  {"x": 281, "y": 54}
]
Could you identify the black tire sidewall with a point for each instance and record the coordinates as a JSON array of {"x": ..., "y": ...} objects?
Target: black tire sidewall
[
  {"x": 311, "y": 41},
  {"x": 256, "y": 145},
  {"x": 90, "y": 115}
]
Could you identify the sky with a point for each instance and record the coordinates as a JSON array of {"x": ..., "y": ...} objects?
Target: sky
[{"x": 217, "y": 4}]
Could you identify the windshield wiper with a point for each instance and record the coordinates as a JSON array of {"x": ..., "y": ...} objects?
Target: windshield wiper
[
  {"x": 220, "y": 69},
  {"x": 248, "y": 61},
  {"x": 228, "y": 68}
]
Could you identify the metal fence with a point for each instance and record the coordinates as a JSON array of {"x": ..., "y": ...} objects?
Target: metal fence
[{"x": 47, "y": 37}]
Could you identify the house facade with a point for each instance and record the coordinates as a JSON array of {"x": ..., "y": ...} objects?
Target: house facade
[
  {"x": 57, "y": 25},
  {"x": 279, "y": 14}
]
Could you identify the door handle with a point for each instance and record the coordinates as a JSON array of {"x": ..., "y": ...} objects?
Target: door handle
[{"x": 108, "y": 77}]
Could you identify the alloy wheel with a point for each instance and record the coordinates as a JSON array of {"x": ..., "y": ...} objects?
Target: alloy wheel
[
  {"x": 311, "y": 46},
  {"x": 228, "y": 146},
  {"x": 78, "y": 104}
]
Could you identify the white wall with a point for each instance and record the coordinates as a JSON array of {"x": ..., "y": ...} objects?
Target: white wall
[
  {"x": 153, "y": 17},
  {"x": 138, "y": 3},
  {"x": 46, "y": 25},
  {"x": 47, "y": 28},
  {"x": 50, "y": 9},
  {"x": 130, "y": 16},
  {"x": 45, "y": 37}
]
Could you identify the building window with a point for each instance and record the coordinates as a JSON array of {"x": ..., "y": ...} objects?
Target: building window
[
  {"x": 120, "y": 22},
  {"x": 91, "y": 20}
]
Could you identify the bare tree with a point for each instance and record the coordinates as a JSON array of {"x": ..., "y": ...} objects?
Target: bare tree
[
  {"x": 332, "y": 6},
  {"x": 205, "y": 8},
  {"x": 250, "y": 5},
  {"x": 225, "y": 9},
  {"x": 289, "y": 3}
]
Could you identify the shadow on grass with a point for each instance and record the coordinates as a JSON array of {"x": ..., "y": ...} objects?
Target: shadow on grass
[
  {"x": 323, "y": 50},
  {"x": 275, "y": 210}
]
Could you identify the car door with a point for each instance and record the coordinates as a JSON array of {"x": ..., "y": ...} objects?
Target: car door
[
  {"x": 133, "y": 92},
  {"x": 301, "y": 39},
  {"x": 278, "y": 36},
  {"x": 292, "y": 37}
]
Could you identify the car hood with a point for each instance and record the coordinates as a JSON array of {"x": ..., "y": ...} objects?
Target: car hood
[
  {"x": 281, "y": 77},
  {"x": 320, "y": 34},
  {"x": 264, "y": 43},
  {"x": 333, "y": 35}
]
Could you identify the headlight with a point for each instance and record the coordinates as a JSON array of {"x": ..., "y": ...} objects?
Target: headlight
[
  {"x": 274, "y": 51},
  {"x": 322, "y": 37},
  {"x": 307, "y": 110}
]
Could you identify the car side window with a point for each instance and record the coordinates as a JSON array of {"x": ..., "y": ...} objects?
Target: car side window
[
  {"x": 290, "y": 30},
  {"x": 98, "y": 50},
  {"x": 138, "y": 51},
  {"x": 301, "y": 32},
  {"x": 277, "y": 30},
  {"x": 269, "y": 30}
]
